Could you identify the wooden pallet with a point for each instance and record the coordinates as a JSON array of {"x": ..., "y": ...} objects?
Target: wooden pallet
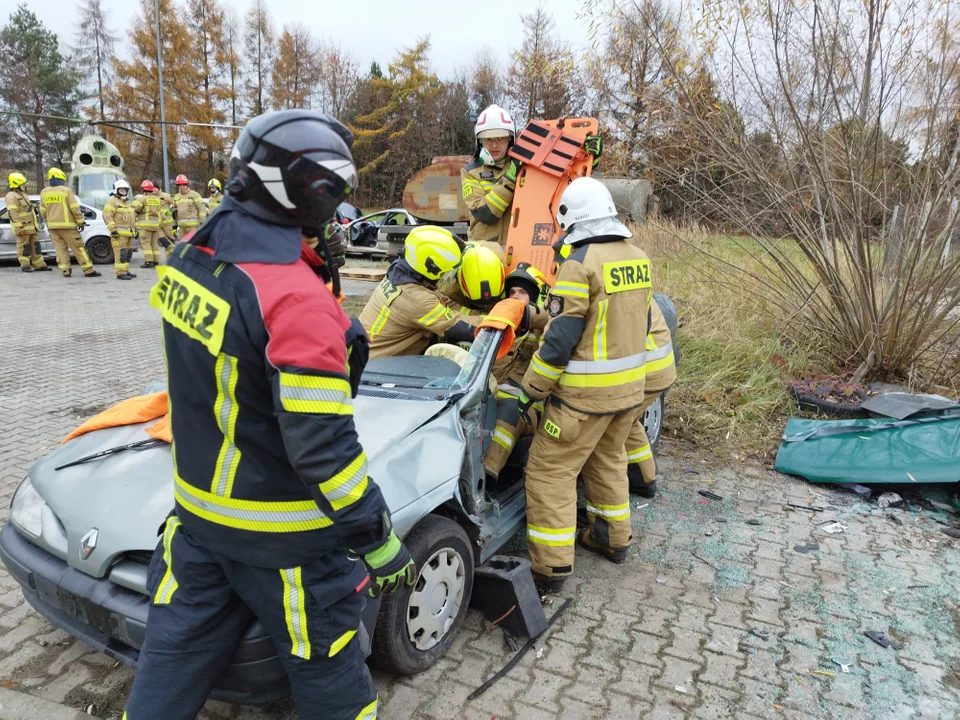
[{"x": 358, "y": 273}]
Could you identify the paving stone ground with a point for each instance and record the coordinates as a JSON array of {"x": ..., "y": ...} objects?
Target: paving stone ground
[{"x": 711, "y": 617}]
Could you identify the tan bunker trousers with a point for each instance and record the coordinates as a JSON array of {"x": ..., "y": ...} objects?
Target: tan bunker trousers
[
  {"x": 569, "y": 443},
  {"x": 641, "y": 465},
  {"x": 66, "y": 240}
]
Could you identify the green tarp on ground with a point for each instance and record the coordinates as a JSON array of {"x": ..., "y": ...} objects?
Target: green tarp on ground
[{"x": 872, "y": 451}]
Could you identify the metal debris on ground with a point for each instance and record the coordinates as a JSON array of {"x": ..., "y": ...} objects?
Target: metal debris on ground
[
  {"x": 661, "y": 581},
  {"x": 951, "y": 532},
  {"x": 516, "y": 658},
  {"x": 710, "y": 495},
  {"x": 825, "y": 673},
  {"x": 762, "y": 634},
  {"x": 690, "y": 471},
  {"x": 889, "y": 499},
  {"x": 806, "y": 547},
  {"x": 680, "y": 688},
  {"x": 833, "y": 528},
  {"x": 754, "y": 521},
  {"x": 893, "y": 518},
  {"x": 844, "y": 665},
  {"x": 805, "y": 507},
  {"x": 641, "y": 507},
  {"x": 882, "y": 639}
]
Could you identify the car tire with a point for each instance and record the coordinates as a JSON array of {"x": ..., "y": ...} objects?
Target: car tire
[
  {"x": 100, "y": 250},
  {"x": 442, "y": 545},
  {"x": 653, "y": 421}
]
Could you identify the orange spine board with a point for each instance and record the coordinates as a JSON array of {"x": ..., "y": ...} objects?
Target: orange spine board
[{"x": 552, "y": 153}]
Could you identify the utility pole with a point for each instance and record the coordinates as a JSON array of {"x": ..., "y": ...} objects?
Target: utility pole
[{"x": 163, "y": 113}]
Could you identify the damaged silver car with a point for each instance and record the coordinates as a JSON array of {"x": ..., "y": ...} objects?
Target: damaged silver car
[{"x": 79, "y": 539}]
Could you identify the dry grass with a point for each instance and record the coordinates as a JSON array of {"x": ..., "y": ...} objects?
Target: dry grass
[{"x": 734, "y": 358}]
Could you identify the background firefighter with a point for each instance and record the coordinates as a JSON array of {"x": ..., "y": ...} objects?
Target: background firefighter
[
  {"x": 25, "y": 224},
  {"x": 149, "y": 209},
  {"x": 590, "y": 370},
  {"x": 273, "y": 501},
  {"x": 188, "y": 208},
  {"x": 61, "y": 212},
  {"x": 121, "y": 220}
]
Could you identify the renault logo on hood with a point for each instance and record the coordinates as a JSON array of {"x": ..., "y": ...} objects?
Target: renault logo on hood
[{"x": 88, "y": 543}]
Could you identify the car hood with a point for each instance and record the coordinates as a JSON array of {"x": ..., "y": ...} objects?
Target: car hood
[{"x": 127, "y": 496}]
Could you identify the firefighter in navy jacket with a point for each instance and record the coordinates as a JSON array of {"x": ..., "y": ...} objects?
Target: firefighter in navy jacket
[{"x": 273, "y": 502}]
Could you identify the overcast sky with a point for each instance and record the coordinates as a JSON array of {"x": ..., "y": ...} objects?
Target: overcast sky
[{"x": 373, "y": 29}]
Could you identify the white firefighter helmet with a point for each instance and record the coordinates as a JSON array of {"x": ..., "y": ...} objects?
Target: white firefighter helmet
[
  {"x": 121, "y": 185},
  {"x": 587, "y": 210},
  {"x": 495, "y": 122}
]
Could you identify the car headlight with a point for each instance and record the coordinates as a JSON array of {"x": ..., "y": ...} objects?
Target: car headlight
[{"x": 26, "y": 508}]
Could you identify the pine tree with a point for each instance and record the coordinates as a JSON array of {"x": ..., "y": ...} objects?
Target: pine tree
[
  {"x": 259, "y": 45},
  {"x": 296, "y": 70},
  {"x": 34, "y": 78},
  {"x": 93, "y": 53}
]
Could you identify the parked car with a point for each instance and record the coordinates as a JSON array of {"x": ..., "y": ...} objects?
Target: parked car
[
  {"x": 79, "y": 540},
  {"x": 362, "y": 233},
  {"x": 96, "y": 236},
  {"x": 8, "y": 241}
]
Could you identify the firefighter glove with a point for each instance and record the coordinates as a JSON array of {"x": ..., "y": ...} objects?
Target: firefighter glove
[
  {"x": 81, "y": 227},
  {"x": 513, "y": 167},
  {"x": 593, "y": 145},
  {"x": 523, "y": 405},
  {"x": 390, "y": 567},
  {"x": 114, "y": 234},
  {"x": 164, "y": 242}
]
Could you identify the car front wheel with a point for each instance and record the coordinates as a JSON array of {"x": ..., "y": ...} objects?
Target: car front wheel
[
  {"x": 100, "y": 250},
  {"x": 416, "y": 625}
]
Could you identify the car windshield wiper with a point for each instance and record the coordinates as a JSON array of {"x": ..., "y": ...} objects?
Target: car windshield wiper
[{"x": 139, "y": 445}]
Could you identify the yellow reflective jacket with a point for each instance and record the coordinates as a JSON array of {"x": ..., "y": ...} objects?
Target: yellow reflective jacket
[
  {"x": 189, "y": 209},
  {"x": 405, "y": 318},
  {"x": 487, "y": 194},
  {"x": 661, "y": 370},
  {"x": 593, "y": 354},
  {"x": 23, "y": 214},
  {"x": 214, "y": 200},
  {"x": 149, "y": 208},
  {"x": 120, "y": 216},
  {"x": 60, "y": 208}
]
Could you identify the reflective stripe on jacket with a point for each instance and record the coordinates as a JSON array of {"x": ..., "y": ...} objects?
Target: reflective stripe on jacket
[
  {"x": 120, "y": 216},
  {"x": 661, "y": 369},
  {"x": 60, "y": 208},
  {"x": 189, "y": 209},
  {"x": 403, "y": 317},
  {"x": 149, "y": 208},
  {"x": 23, "y": 214},
  {"x": 487, "y": 194},
  {"x": 267, "y": 465},
  {"x": 593, "y": 354}
]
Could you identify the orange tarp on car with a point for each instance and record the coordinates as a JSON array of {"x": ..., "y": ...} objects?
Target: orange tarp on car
[{"x": 140, "y": 409}]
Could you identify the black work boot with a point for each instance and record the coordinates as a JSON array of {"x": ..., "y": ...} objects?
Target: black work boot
[
  {"x": 92, "y": 273},
  {"x": 68, "y": 273},
  {"x": 548, "y": 584},
  {"x": 147, "y": 265},
  {"x": 644, "y": 490},
  {"x": 614, "y": 555},
  {"x": 582, "y": 519},
  {"x": 43, "y": 268},
  {"x": 126, "y": 276},
  {"x": 26, "y": 268}
]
